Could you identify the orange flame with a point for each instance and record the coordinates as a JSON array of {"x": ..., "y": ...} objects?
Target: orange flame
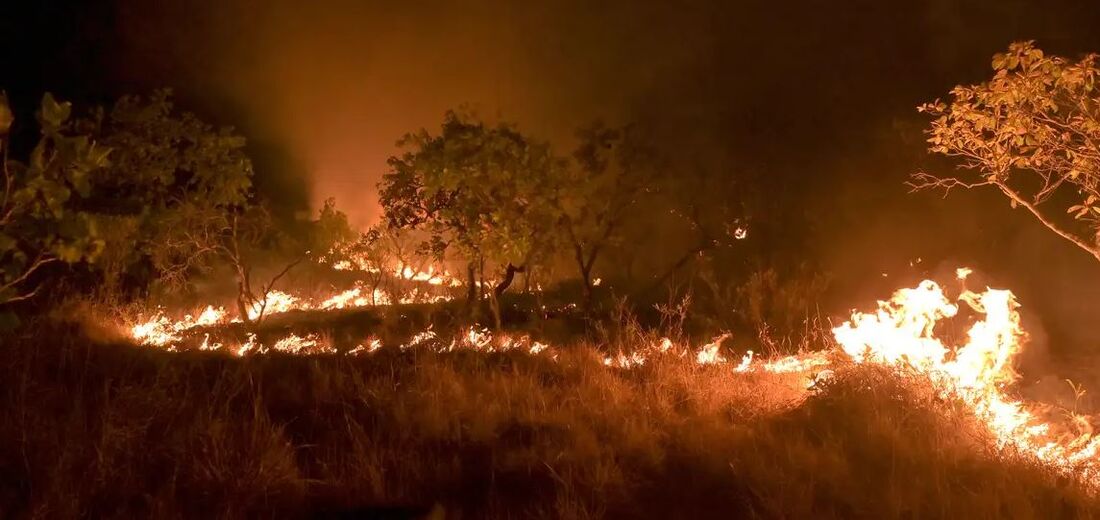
[{"x": 901, "y": 333}]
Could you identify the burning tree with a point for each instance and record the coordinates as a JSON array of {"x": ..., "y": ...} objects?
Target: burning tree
[
  {"x": 41, "y": 220},
  {"x": 1033, "y": 133},
  {"x": 483, "y": 190}
]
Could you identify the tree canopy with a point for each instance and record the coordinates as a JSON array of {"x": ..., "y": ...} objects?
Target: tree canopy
[
  {"x": 613, "y": 171},
  {"x": 479, "y": 188},
  {"x": 169, "y": 172},
  {"x": 41, "y": 220},
  {"x": 1033, "y": 133}
]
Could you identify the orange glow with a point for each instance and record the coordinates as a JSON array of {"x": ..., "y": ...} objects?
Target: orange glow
[
  {"x": 900, "y": 333},
  {"x": 978, "y": 372}
]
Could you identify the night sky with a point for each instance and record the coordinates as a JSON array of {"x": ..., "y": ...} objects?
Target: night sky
[{"x": 812, "y": 101}]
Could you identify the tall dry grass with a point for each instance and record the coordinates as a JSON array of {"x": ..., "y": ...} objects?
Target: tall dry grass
[{"x": 113, "y": 431}]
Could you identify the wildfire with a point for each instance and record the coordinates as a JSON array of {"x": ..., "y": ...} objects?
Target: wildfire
[
  {"x": 431, "y": 276},
  {"x": 978, "y": 372},
  {"x": 900, "y": 333},
  {"x": 354, "y": 298},
  {"x": 709, "y": 355},
  {"x": 160, "y": 331},
  {"x": 276, "y": 302}
]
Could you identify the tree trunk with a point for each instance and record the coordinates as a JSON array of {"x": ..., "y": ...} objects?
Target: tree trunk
[
  {"x": 498, "y": 291},
  {"x": 586, "y": 277},
  {"x": 509, "y": 276},
  {"x": 494, "y": 306},
  {"x": 481, "y": 290},
  {"x": 244, "y": 295},
  {"x": 471, "y": 284},
  {"x": 704, "y": 246}
]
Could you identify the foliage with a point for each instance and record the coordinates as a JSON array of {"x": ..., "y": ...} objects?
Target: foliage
[
  {"x": 614, "y": 170},
  {"x": 165, "y": 157},
  {"x": 91, "y": 428},
  {"x": 40, "y": 217},
  {"x": 330, "y": 229},
  {"x": 168, "y": 169},
  {"x": 1033, "y": 133},
  {"x": 482, "y": 189}
]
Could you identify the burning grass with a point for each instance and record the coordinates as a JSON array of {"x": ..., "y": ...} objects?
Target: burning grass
[
  {"x": 114, "y": 431},
  {"x": 290, "y": 419}
]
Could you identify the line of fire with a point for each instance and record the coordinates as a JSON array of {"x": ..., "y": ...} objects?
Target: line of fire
[{"x": 488, "y": 259}]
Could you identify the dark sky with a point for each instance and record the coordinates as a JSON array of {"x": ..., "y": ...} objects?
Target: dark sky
[{"x": 816, "y": 98}]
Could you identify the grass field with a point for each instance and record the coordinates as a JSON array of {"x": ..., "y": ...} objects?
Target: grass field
[{"x": 110, "y": 430}]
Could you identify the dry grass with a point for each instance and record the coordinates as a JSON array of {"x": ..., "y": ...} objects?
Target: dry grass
[{"x": 113, "y": 431}]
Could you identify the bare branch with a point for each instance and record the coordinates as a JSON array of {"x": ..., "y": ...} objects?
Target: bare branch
[
  {"x": 1051, "y": 225},
  {"x": 926, "y": 181},
  {"x": 41, "y": 260}
]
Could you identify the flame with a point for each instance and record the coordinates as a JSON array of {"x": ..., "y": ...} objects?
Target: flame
[
  {"x": 431, "y": 276},
  {"x": 356, "y": 263},
  {"x": 901, "y": 333},
  {"x": 247, "y": 346},
  {"x": 160, "y": 331},
  {"x": 276, "y": 302},
  {"x": 709, "y": 355},
  {"x": 746, "y": 361},
  {"x": 353, "y": 298},
  {"x": 309, "y": 344},
  {"x": 370, "y": 347}
]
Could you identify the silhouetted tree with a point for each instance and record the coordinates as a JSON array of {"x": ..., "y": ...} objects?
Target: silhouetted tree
[
  {"x": 482, "y": 189},
  {"x": 40, "y": 217},
  {"x": 1033, "y": 133},
  {"x": 167, "y": 166},
  {"x": 614, "y": 171}
]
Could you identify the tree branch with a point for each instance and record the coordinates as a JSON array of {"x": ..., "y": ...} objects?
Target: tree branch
[
  {"x": 39, "y": 261},
  {"x": 1051, "y": 225},
  {"x": 924, "y": 181}
]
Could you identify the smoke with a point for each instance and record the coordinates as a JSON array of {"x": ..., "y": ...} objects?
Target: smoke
[
  {"x": 757, "y": 84},
  {"x": 813, "y": 103},
  {"x": 337, "y": 83}
]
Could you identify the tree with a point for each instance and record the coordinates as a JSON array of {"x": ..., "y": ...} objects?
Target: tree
[
  {"x": 483, "y": 190},
  {"x": 710, "y": 210},
  {"x": 168, "y": 169},
  {"x": 40, "y": 219},
  {"x": 1033, "y": 133},
  {"x": 180, "y": 196},
  {"x": 613, "y": 171},
  {"x": 331, "y": 227},
  {"x": 203, "y": 239},
  {"x": 380, "y": 256},
  {"x": 247, "y": 236}
]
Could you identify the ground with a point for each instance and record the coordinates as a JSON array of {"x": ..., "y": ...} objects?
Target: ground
[{"x": 104, "y": 428}]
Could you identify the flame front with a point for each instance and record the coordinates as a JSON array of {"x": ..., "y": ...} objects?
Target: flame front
[{"x": 901, "y": 333}]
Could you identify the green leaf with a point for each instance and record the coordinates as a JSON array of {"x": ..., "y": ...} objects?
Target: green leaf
[{"x": 53, "y": 114}]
